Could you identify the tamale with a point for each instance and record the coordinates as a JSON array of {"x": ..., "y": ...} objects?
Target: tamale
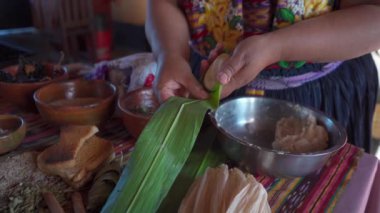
[{"x": 221, "y": 190}]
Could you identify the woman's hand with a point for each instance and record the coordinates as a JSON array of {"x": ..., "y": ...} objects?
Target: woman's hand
[
  {"x": 205, "y": 64},
  {"x": 249, "y": 58},
  {"x": 176, "y": 79}
]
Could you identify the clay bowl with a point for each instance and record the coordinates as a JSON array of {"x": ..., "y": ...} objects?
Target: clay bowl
[
  {"x": 21, "y": 94},
  {"x": 12, "y": 132},
  {"x": 77, "y": 102},
  {"x": 137, "y": 107}
]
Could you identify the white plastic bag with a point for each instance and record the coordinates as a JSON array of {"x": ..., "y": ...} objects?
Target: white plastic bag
[{"x": 128, "y": 73}]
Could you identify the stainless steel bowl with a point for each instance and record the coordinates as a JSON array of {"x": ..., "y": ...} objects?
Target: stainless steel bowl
[{"x": 246, "y": 131}]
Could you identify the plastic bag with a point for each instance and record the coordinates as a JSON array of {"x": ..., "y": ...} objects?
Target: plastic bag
[{"x": 128, "y": 73}]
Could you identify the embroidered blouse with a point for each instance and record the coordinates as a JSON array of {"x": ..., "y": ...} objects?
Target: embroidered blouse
[{"x": 229, "y": 21}]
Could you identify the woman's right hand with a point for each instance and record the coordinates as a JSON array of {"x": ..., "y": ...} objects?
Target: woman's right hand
[{"x": 176, "y": 79}]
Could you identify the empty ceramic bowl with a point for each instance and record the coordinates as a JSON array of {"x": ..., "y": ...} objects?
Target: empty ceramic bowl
[
  {"x": 12, "y": 132},
  {"x": 78, "y": 102}
]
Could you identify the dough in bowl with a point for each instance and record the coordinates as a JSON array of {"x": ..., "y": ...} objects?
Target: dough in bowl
[{"x": 300, "y": 136}]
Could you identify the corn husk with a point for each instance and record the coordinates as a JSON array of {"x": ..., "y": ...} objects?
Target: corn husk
[
  {"x": 215, "y": 95},
  {"x": 160, "y": 153},
  {"x": 221, "y": 190},
  {"x": 104, "y": 182}
]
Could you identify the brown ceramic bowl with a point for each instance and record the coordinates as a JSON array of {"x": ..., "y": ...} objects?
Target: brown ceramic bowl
[
  {"x": 137, "y": 107},
  {"x": 12, "y": 132},
  {"x": 21, "y": 94},
  {"x": 78, "y": 102}
]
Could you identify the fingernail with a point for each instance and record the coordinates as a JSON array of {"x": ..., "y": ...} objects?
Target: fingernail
[{"x": 223, "y": 78}]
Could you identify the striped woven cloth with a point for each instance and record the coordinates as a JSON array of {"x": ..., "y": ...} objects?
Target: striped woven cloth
[
  {"x": 318, "y": 193},
  {"x": 40, "y": 133}
]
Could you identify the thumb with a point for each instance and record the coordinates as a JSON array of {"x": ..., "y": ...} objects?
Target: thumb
[{"x": 230, "y": 67}]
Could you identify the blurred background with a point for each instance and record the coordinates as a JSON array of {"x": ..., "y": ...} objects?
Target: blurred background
[{"x": 87, "y": 31}]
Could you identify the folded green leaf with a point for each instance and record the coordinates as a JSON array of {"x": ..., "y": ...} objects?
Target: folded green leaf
[
  {"x": 206, "y": 153},
  {"x": 215, "y": 95},
  {"x": 160, "y": 153}
]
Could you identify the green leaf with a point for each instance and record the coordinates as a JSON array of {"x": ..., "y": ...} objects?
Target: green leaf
[
  {"x": 215, "y": 95},
  {"x": 160, "y": 153},
  {"x": 206, "y": 153}
]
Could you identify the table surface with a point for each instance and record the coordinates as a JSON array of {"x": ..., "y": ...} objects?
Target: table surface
[{"x": 362, "y": 193}]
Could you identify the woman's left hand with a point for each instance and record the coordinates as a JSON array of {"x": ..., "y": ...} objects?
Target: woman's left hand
[{"x": 249, "y": 58}]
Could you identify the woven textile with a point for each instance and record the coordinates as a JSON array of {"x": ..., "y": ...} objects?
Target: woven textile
[
  {"x": 40, "y": 132},
  {"x": 316, "y": 193}
]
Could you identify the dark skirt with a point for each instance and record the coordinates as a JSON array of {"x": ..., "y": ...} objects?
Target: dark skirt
[{"x": 348, "y": 94}]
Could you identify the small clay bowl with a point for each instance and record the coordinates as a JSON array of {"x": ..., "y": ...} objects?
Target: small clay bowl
[
  {"x": 12, "y": 132},
  {"x": 21, "y": 94},
  {"x": 137, "y": 107},
  {"x": 76, "y": 102}
]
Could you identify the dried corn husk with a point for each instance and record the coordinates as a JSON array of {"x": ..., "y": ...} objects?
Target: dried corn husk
[
  {"x": 221, "y": 190},
  {"x": 104, "y": 182},
  {"x": 160, "y": 153}
]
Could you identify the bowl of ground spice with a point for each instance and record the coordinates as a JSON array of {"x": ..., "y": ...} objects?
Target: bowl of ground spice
[{"x": 19, "y": 82}]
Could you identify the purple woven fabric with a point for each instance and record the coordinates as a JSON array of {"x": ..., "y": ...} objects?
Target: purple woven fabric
[{"x": 278, "y": 83}]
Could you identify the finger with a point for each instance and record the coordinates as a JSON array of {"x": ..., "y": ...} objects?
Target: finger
[
  {"x": 204, "y": 67},
  {"x": 182, "y": 93},
  {"x": 219, "y": 48},
  {"x": 227, "y": 90},
  {"x": 165, "y": 94},
  {"x": 194, "y": 87},
  {"x": 230, "y": 67},
  {"x": 215, "y": 52},
  {"x": 241, "y": 79},
  {"x": 167, "y": 90}
]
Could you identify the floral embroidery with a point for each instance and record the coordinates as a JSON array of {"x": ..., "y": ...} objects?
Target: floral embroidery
[
  {"x": 214, "y": 21},
  {"x": 229, "y": 21},
  {"x": 257, "y": 16},
  {"x": 317, "y": 7},
  {"x": 284, "y": 17}
]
